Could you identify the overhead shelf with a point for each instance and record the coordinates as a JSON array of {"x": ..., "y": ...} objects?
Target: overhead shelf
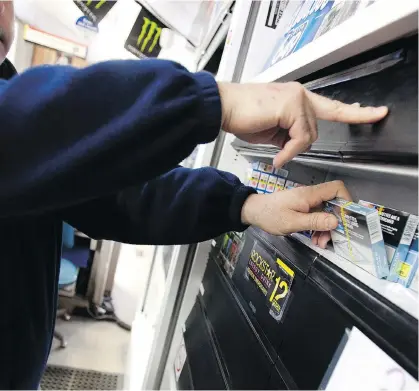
[
  {"x": 333, "y": 162},
  {"x": 404, "y": 298},
  {"x": 373, "y": 26}
]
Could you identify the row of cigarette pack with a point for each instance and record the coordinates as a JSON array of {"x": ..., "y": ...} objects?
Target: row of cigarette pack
[
  {"x": 265, "y": 179},
  {"x": 383, "y": 241}
]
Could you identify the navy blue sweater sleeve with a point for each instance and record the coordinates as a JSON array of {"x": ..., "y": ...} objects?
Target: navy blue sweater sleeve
[
  {"x": 69, "y": 135},
  {"x": 181, "y": 206}
]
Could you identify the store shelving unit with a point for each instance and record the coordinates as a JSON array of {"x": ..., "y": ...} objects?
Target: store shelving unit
[
  {"x": 373, "y": 26},
  {"x": 370, "y": 58}
]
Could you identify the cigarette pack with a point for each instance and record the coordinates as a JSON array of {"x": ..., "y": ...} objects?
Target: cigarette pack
[
  {"x": 280, "y": 184},
  {"x": 263, "y": 181},
  {"x": 270, "y": 188},
  {"x": 264, "y": 167},
  {"x": 311, "y": 19},
  {"x": 398, "y": 231},
  {"x": 282, "y": 176},
  {"x": 358, "y": 236},
  {"x": 289, "y": 185},
  {"x": 254, "y": 179},
  {"x": 410, "y": 265}
]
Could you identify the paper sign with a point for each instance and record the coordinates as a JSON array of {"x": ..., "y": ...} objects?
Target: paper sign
[
  {"x": 95, "y": 10},
  {"x": 364, "y": 366},
  {"x": 144, "y": 39},
  {"x": 85, "y": 23}
]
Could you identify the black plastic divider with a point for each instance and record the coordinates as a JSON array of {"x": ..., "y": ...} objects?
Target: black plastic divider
[
  {"x": 312, "y": 332},
  {"x": 276, "y": 382},
  {"x": 248, "y": 363},
  {"x": 393, "y": 140},
  {"x": 206, "y": 371}
]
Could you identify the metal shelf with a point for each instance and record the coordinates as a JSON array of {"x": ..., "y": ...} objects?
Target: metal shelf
[
  {"x": 404, "y": 298},
  {"x": 336, "y": 164},
  {"x": 373, "y": 26}
]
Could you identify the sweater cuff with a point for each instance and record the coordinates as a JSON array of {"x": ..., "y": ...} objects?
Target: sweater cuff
[
  {"x": 211, "y": 112},
  {"x": 237, "y": 202}
]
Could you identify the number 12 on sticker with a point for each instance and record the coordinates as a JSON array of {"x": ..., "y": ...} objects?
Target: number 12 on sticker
[
  {"x": 282, "y": 285},
  {"x": 282, "y": 282}
]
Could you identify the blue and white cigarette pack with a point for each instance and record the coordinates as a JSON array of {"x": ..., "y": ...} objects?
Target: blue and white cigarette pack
[
  {"x": 358, "y": 236},
  {"x": 409, "y": 268},
  {"x": 398, "y": 231},
  {"x": 312, "y": 19}
]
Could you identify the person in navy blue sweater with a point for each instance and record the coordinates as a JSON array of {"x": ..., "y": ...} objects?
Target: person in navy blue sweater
[{"x": 99, "y": 148}]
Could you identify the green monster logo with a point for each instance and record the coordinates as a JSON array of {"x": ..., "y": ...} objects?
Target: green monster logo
[
  {"x": 98, "y": 5},
  {"x": 154, "y": 28}
]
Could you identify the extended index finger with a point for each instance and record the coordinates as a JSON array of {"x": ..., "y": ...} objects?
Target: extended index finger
[{"x": 333, "y": 110}]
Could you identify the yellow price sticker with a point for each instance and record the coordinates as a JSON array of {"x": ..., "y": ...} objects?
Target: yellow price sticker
[
  {"x": 279, "y": 295},
  {"x": 404, "y": 270}
]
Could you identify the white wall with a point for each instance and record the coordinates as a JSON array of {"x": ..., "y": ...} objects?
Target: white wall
[{"x": 21, "y": 52}]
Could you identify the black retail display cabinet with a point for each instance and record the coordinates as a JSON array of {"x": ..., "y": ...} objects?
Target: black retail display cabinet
[
  {"x": 323, "y": 303},
  {"x": 289, "y": 332}
]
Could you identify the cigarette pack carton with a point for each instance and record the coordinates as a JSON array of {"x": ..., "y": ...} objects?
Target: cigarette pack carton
[
  {"x": 410, "y": 265},
  {"x": 358, "y": 236},
  {"x": 398, "y": 230},
  {"x": 311, "y": 19}
]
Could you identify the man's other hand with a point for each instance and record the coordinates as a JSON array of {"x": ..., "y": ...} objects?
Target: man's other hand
[
  {"x": 285, "y": 115},
  {"x": 289, "y": 211}
]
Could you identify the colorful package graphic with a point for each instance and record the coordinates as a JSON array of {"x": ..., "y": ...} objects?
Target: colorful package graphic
[
  {"x": 312, "y": 19},
  {"x": 263, "y": 181},
  {"x": 358, "y": 236},
  {"x": 264, "y": 178},
  {"x": 254, "y": 180},
  {"x": 280, "y": 184},
  {"x": 398, "y": 229},
  {"x": 270, "y": 188}
]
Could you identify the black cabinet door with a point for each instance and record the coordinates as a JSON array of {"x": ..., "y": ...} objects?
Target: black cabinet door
[
  {"x": 257, "y": 304},
  {"x": 204, "y": 364},
  {"x": 185, "y": 378},
  {"x": 393, "y": 139},
  {"x": 248, "y": 364},
  {"x": 383, "y": 76},
  {"x": 312, "y": 332},
  {"x": 332, "y": 302},
  {"x": 277, "y": 382}
]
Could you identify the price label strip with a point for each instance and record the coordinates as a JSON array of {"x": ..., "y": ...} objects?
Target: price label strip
[{"x": 272, "y": 277}]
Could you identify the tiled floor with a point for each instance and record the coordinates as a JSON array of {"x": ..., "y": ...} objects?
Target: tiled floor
[{"x": 93, "y": 345}]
